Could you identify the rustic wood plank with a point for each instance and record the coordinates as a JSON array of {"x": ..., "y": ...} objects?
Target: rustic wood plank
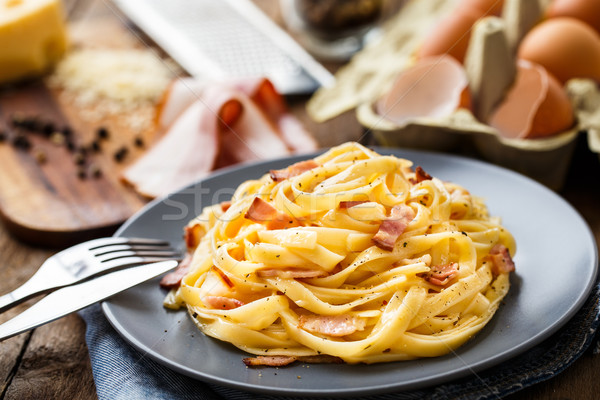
[{"x": 55, "y": 365}]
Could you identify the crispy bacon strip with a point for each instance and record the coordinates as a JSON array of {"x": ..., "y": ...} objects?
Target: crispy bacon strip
[
  {"x": 172, "y": 280},
  {"x": 502, "y": 262},
  {"x": 192, "y": 235},
  {"x": 296, "y": 169},
  {"x": 291, "y": 273},
  {"x": 264, "y": 213},
  {"x": 394, "y": 226},
  {"x": 281, "y": 361},
  {"x": 420, "y": 176},
  {"x": 269, "y": 361},
  {"x": 331, "y": 325},
  {"x": 350, "y": 203},
  {"x": 222, "y": 302},
  {"x": 440, "y": 275}
]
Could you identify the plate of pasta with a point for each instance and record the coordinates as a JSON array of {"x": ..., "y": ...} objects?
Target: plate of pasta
[{"x": 356, "y": 271}]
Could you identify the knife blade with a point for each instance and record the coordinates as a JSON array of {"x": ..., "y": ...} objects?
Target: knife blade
[{"x": 73, "y": 298}]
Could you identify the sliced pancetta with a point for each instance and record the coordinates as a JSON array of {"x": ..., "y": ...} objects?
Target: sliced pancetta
[
  {"x": 208, "y": 126},
  {"x": 290, "y": 273},
  {"x": 440, "y": 275},
  {"x": 264, "y": 213},
  {"x": 394, "y": 226},
  {"x": 502, "y": 262},
  {"x": 222, "y": 302},
  {"x": 172, "y": 280},
  {"x": 332, "y": 325},
  {"x": 296, "y": 169}
]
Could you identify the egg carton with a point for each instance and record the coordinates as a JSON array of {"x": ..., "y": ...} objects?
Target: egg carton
[{"x": 370, "y": 73}]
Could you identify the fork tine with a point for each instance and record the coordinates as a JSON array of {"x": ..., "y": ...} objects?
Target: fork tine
[
  {"x": 125, "y": 247},
  {"x": 142, "y": 254},
  {"x": 104, "y": 242},
  {"x": 125, "y": 262}
]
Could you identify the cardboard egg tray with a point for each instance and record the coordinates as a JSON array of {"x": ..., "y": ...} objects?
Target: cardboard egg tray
[{"x": 371, "y": 72}]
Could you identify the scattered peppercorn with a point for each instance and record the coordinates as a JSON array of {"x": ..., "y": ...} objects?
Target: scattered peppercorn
[
  {"x": 81, "y": 174},
  {"x": 102, "y": 133},
  {"x": 95, "y": 146},
  {"x": 120, "y": 154},
  {"x": 79, "y": 158},
  {"x": 67, "y": 131},
  {"x": 21, "y": 141},
  {"x": 48, "y": 129},
  {"x": 138, "y": 141}
]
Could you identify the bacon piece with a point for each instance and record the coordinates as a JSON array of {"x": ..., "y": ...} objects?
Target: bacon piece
[
  {"x": 269, "y": 361},
  {"x": 222, "y": 302},
  {"x": 420, "y": 176},
  {"x": 350, "y": 204},
  {"x": 269, "y": 100},
  {"x": 226, "y": 122},
  {"x": 394, "y": 226},
  {"x": 291, "y": 273},
  {"x": 225, "y": 205},
  {"x": 174, "y": 160},
  {"x": 172, "y": 280},
  {"x": 192, "y": 235},
  {"x": 331, "y": 325},
  {"x": 296, "y": 169},
  {"x": 281, "y": 361},
  {"x": 440, "y": 275},
  {"x": 264, "y": 213},
  {"x": 502, "y": 262}
]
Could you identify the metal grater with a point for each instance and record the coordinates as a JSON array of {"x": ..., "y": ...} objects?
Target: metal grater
[{"x": 215, "y": 39}]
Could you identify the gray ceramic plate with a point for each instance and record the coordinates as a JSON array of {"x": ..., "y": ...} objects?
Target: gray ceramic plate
[{"x": 556, "y": 266}]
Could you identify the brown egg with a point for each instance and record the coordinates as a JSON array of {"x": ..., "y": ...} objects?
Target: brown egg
[
  {"x": 535, "y": 106},
  {"x": 566, "y": 47},
  {"x": 489, "y": 7},
  {"x": 433, "y": 87},
  {"x": 585, "y": 10},
  {"x": 451, "y": 35}
]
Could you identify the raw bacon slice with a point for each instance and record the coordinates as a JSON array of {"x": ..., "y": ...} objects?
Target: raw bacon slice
[
  {"x": 296, "y": 169},
  {"x": 332, "y": 325},
  {"x": 208, "y": 126},
  {"x": 394, "y": 226},
  {"x": 187, "y": 152},
  {"x": 270, "y": 101}
]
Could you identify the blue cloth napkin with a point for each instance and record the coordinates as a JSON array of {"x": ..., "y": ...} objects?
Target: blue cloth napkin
[{"x": 120, "y": 374}]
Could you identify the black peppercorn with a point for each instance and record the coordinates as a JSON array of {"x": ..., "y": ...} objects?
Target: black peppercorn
[{"x": 102, "y": 133}]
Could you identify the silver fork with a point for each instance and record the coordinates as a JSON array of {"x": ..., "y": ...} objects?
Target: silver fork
[{"x": 86, "y": 260}]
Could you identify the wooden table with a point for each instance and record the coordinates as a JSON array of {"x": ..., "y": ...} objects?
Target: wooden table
[{"x": 52, "y": 361}]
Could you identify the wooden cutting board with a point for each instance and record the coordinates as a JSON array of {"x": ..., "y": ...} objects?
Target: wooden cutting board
[{"x": 43, "y": 198}]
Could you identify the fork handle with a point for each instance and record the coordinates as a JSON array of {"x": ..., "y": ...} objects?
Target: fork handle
[{"x": 16, "y": 297}]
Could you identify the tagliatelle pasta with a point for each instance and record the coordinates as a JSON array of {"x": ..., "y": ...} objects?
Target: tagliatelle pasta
[{"x": 353, "y": 255}]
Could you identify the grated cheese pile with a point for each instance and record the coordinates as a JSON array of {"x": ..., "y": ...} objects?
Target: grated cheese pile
[{"x": 125, "y": 78}]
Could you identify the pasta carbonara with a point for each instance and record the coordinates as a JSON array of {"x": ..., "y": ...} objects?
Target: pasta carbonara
[{"x": 350, "y": 256}]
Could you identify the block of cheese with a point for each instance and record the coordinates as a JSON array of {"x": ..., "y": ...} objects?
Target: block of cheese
[{"x": 33, "y": 36}]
